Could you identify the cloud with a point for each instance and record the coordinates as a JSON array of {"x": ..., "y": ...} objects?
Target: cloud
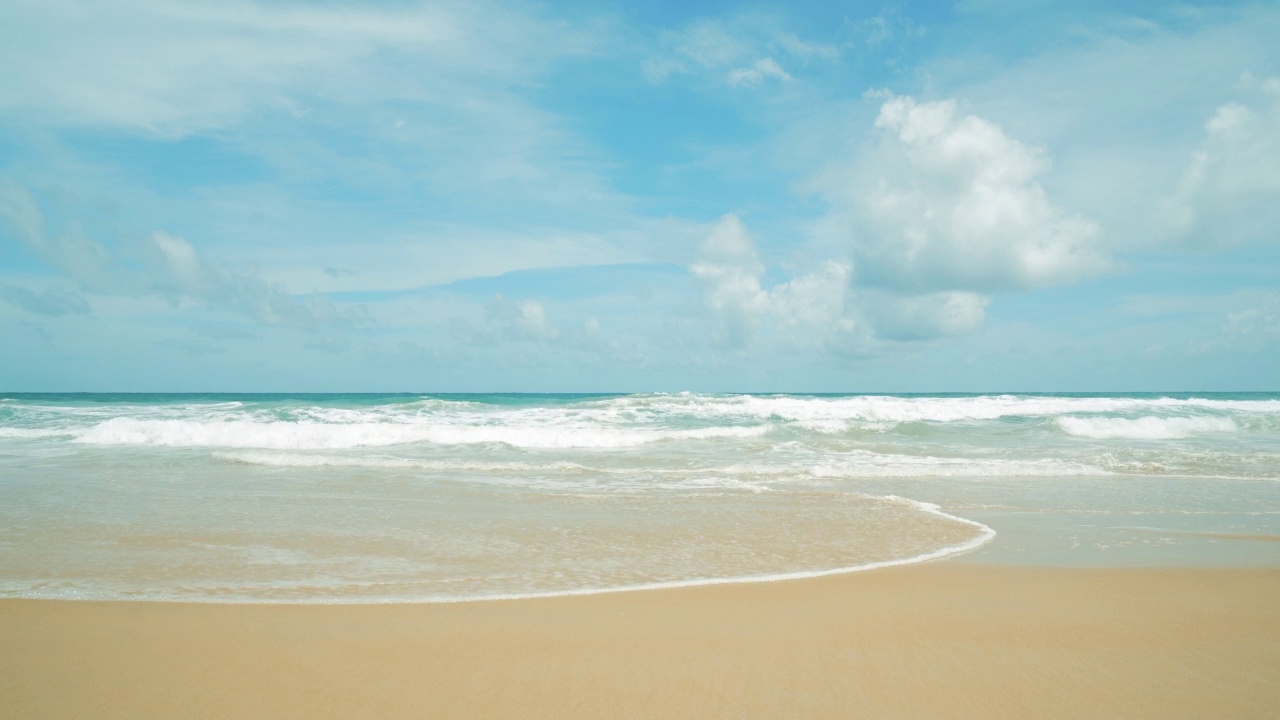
[
  {"x": 815, "y": 304},
  {"x": 760, "y": 71},
  {"x": 506, "y": 320},
  {"x": 743, "y": 49},
  {"x": 433, "y": 94},
  {"x": 925, "y": 317},
  {"x": 219, "y": 331},
  {"x": 818, "y": 309},
  {"x": 708, "y": 43},
  {"x": 1230, "y": 189},
  {"x": 888, "y": 33},
  {"x": 71, "y": 252},
  {"x": 162, "y": 265},
  {"x": 806, "y": 50},
  {"x": 192, "y": 348},
  {"x": 1254, "y": 327},
  {"x": 1123, "y": 108},
  {"x": 1260, "y": 321},
  {"x": 185, "y": 275},
  {"x": 40, "y": 334},
  {"x": 331, "y": 344},
  {"x": 937, "y": 212},
  {"x": 383, "y": 136},
  {"x": 54, "y": 302},
  {"x": 729, "y": 270},
  {"x": 176, "y": 66},
  {"x": 948, "y": 202},
  {"x": 386, "y": 102},
  {"x": 526, "y": 320}
]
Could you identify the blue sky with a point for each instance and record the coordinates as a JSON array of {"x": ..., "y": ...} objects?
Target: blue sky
[{"x": 498, "y": 196}]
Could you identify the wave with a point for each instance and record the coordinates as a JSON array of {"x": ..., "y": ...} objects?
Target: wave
[
  {"x": 892, "y": 409},
  {"x": 849, "y": 466},
  {"x": 630, "y": 421},
  {"x": 24, "y": 433},
  {"x": 272, "y": 459},
  {"x": 869, "y": 465},
  {"x": 1144, "y": 428},
  {"x": 641, "y": 409},
  {"x": 310, "y": 435},
  {"x": 956, "y": 468}
]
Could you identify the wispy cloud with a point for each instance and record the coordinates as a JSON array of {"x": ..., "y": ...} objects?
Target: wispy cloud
[
  {"x": 162, "y": 265},
  {"x": 1230, "y": 190},
  {"x": 175, "y": 66},
  {"x": 759, "y": 71},
  {"x": 53, "y": 302},
  {"x": 744, "y": 50},
  {"x": 888, "y": 34}
]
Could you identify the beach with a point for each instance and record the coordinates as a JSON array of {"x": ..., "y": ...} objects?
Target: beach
[
  {"x": 941, "y": 639},
  {"x": 439, "y": 360},
  {"x": 662, "y": 555}
]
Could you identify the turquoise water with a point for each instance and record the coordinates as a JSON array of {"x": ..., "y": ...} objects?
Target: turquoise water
[{"x": 366, "y": 498}]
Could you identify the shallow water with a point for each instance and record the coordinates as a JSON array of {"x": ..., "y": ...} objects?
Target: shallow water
[{"x": 366, "y": 498}]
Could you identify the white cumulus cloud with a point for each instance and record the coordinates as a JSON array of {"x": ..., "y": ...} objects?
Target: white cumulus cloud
[
  {"x": 730, "y": 270},
  {"x": 949, "y": 202},
  {"x": 819, "y": 308}
]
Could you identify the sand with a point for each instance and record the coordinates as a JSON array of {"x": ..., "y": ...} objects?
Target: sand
[{"x": 936, "y": 640}]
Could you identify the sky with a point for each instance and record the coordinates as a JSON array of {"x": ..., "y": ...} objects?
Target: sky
[{"x": 971, "y": 196}]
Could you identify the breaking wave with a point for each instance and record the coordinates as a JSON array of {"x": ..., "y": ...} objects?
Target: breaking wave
[
  {"x": 386, "y": 498},
  {"x": 1144, "y": 428},
  {"x": 311, "y": 435}
]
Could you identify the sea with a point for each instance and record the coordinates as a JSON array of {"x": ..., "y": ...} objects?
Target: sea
[{"x": 359, "y": 498}]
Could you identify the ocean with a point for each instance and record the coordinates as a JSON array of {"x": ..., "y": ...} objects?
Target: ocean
[{"x": 413, "y": 497}]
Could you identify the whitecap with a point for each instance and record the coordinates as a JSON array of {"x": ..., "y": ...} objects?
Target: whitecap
[
  {"x": 1144, "y": 428},
  {"x": 311, "y": 435}
]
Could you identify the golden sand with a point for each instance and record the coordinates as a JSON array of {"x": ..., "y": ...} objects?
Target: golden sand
[{"x": 933, "y": 641}]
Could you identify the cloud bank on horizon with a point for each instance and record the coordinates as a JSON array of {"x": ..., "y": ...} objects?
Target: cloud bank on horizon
[{"x": 441, "y": 196}]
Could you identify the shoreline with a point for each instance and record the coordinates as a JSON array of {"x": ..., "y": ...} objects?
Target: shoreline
[
  {"x": 985, "y": 535},
  {"x": 928, "y": 639},
  {"x": 940, "y": 555}
]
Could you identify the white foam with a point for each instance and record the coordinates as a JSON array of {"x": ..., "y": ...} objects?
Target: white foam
[
  {"x": 822, "y": 413},
  {"x": 312, "y": 435},
  {"x": 852, "y": 465},
  {"x": 985, "y": 535},
  {"x": 22, "y": 433},
  {"x": 607, "y": 423},
  {"x": 931, "y": 467},
  {"x": 862, "y": 464},
  {"x": 1144, "y": 428},
  {"x": 274, "y": 459}
]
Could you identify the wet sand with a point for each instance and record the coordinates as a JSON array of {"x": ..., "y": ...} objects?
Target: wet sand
[{"x": 936, "y": 640}]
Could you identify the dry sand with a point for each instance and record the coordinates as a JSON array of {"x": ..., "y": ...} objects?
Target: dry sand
[{"x": 933, "y": 641}]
